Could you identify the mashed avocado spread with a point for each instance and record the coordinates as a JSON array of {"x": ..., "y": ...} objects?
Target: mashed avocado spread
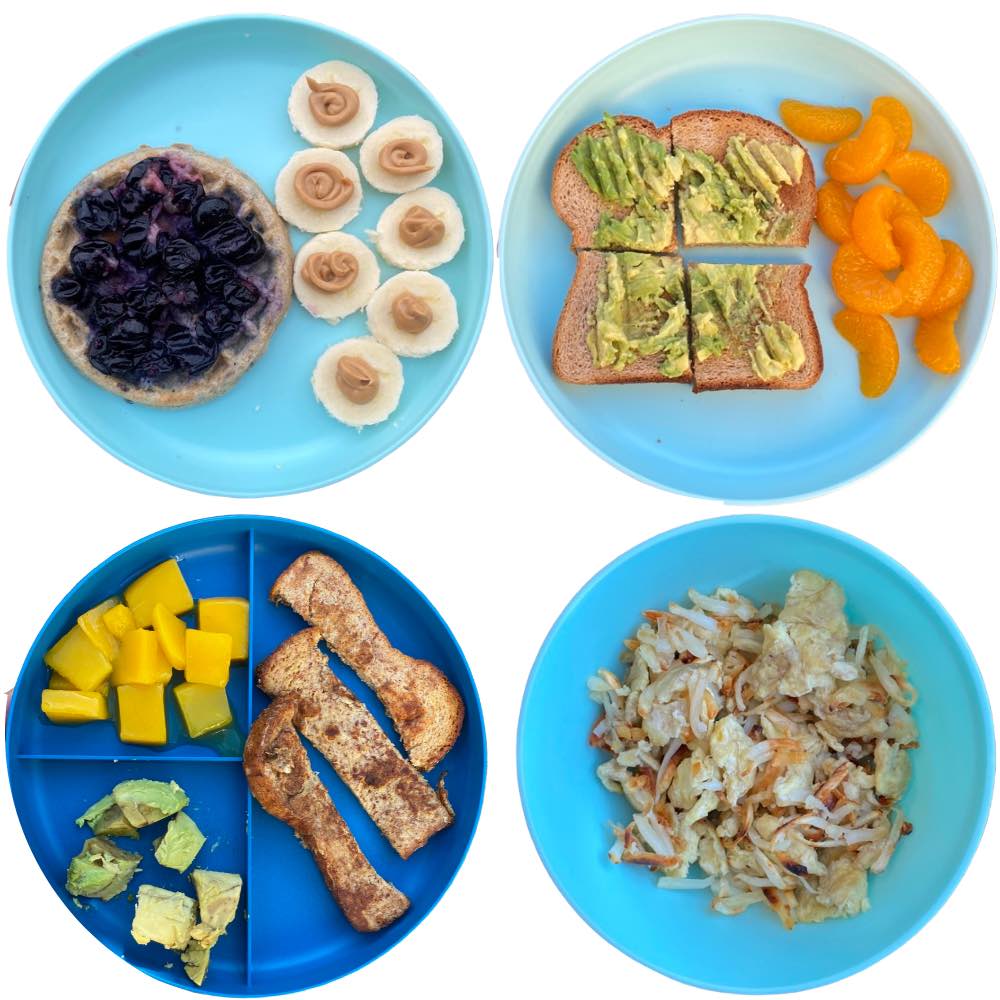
[{"x": 640, "y": 312}]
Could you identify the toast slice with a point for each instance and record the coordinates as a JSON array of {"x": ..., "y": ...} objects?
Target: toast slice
[
  {"x": 572, "y": 359},
  {"x": 283, "y": 782},
  {"x": 709, "y": 132},
  {"x": 423, "y": 704},
  {"x": 581, "y": 207},
  {"x": 783, "y": 292},
  {"x": 396, "y": 796}
]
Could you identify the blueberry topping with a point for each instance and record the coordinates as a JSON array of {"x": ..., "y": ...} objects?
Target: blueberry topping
[
  {"x": 108, "y": 311},
  {"x": 97, "y": 213},
  {"x": 211, "y": 212},
  {"x": 215, "y": 277},
  {"x": 93, "y": 260},
  {"x": 106, "y": 359},
  {"x": 69, "y": 291},
  {"x": 134, "y": 200},
  {"x": 193, "y": 347},
  {"x": 222, "y": 322},
  {"x": 181, "y": 292},
  {"x": 154, "y": 364},
  {"x": 180, "y": 256},
  {"x": 139, "y": 171},
  {"x": 146, "y": 301},
  {"x": 234, "y": 242},
  {"x": 239, "y": 295},
  {"x": 183, "y": 197}
]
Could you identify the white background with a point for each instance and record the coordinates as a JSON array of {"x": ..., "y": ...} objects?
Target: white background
[{"x": 489, "y": 508}]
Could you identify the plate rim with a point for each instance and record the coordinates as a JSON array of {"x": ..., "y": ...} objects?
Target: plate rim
[
  {"x": 904, "y": 576},
  {"x": 146, "y": 468},
  {"x": 247, "y": 523},
  {"x": 549, "y": 397}
]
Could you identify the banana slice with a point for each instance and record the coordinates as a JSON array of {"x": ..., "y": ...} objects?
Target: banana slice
[
  {"x": 333, "y": 104},
  {"x": 335, "y": 275},
  {"x": 318, "y": 190},
  {"x": 420, "y": 230},
  {"x": 413, "y": 314},
  {"x": 402, "y": 155},
  {"x": 359, "y": 381}
]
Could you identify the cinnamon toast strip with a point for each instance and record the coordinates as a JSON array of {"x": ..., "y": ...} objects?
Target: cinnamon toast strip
[
  {"x": 424, "y": 706},
  {"x": 283, "y": 782},
  {"x": 396, "y": 796}
]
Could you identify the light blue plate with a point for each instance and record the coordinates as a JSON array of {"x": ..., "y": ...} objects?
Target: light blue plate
[
  {"x": 569, "y": 812},
  {"x": 739, "y": 446},
  {"x": 222, "y": 85}
]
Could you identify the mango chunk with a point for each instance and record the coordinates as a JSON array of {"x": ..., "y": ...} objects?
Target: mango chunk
[
  {"x": 74, "y": 706},
  {"x": 163, "y": 584},
  {"x": 204, "y": 708},
  {"x": 140, "y": 660},
  {"x": 170, "y": 632},
  {"x": 57, "y": 683},
  {"x": 207, "y": 657},
  {"x": 77, "y": 659},
  {"x": 92, "y": 625},
  {"x": 119, "y": 620},
  {"x": 230, "y": 615},
  {"x": 142, "y": 714}
]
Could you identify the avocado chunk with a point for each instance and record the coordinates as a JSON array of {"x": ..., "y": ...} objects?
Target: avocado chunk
[
  {"x": 777, "y": 352},
  {"x": 164, "y": 917},
  {"x": 144, "y": 801},
  {"x": 195, "y": 958},
  {"x": 182, "y": 841},
  {"x": 101, "y": 870},
  {"x": 726, "y": 305},
  {"x": 218, "y": 898},
  {"x": 106, "y": 819}
]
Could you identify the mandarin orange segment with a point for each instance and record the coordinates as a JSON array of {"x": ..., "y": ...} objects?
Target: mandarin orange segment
[
  {"x": 954, "y": 285},
  {"x": 818, "y": 122},
  {"x": 857, "y": 161},
  {"x": 902, "y": 124},
  {"x": 922, "y": 257},
  {"x": 834, "y": 208},
  {"x": 871, "y": 224},
  {"x": 923, "y": 178},
  {"x": 878, "y": 353},
  {"x": 936, "y": 343},
  {"x": 860, "y": 285}
]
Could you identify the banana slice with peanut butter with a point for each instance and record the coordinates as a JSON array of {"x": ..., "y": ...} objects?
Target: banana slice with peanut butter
[
  {"x": 402, "y": 155},
  {"x": 333, "y": 104},
  {"x": 359, "y": 381},
  {"x": 335, "y": 275},
  {"x": 318, "y": 190},
  {"x": 414, "y": 314},
  {"x": 420, "y": 230}
]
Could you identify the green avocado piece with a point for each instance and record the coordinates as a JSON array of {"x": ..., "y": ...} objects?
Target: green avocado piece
[
  {"x": 726, "y": 304},
  {"x": 112, "y": 823},
  {"x": 144, "y": 801},
  {"x": 218, "y": 898},
  {"x": 195, "y": 958},
  {"x": 777, "y": 352},
  {"x": 180, "y": 843},
  {"x": 101, "y": 870},
  {"x": 163, "y": 916}
]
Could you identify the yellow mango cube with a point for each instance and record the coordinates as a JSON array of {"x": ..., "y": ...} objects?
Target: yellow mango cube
[
  {"x": 92, "y": 625},
  {"x": 163, "y": 584},
  {"x": 118, "y": 620},
  {"x": 74, "y": 706},
  {"x": 77, "y": 659},
  {"x": 207, "y": 657},
  {"x": 142, "y": 714},
  {"x": 204, "y": 708},
  {"x": 170, "y": 632},
  {"x": 57, "y": 683},
  {"x": 140, "y": 660},
  {"x": 230, "y": 615}
]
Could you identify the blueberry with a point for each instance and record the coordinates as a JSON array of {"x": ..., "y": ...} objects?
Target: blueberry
[
  {"x": 107, "y": 311},
  {"x": 131, "y": 333},
  {"x": 70, "y": 291},
  {"x": 239, "y": 295},
  {"x": 215, "y": 277},
  {"x": 211, "y": 212},
  {"x": 134, "y": 238},
  {"x": 221, "y": 321},
  {"x": 234, "y": 242},
  {"x": 182, "y": 292},
  {"x": 180, "y": 256},
  {"x": 106, "y": 359},
  {"x": 93, "y": 260},
  {"x": 154, "y": 364},
  {"x": 135, "y": 200},
  {"x": 193, "y": 348},
  {"x": 97, "y": 213},
  {"x": 139, "y": 171},
  {"x": 146, "y": 301},
  {"x": 183, "y": 197}
]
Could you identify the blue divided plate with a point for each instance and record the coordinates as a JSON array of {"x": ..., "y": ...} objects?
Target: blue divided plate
[
  {"x": 744, "y": 447},
  {"x": 222, "y": 86},
  {"x": 676, "y": 933},
  {"x": 293, "y": 936}
]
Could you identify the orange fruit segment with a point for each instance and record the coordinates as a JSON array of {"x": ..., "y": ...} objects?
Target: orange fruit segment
[
  {"x": 923, "y": 178},
  {"x": 871, "y": 224},
  {"x": 902, "y": 124},
  {"x": 819, "y": 123},
  {"x": 860, "y": 285},
  {"x": 955, "y": 282},
  {"x": 878, "y": 353},
  {"x": 922, "y": 257},
  {"x": 834, "y": 209},
  {"x": 936, "y": 343},
  {"x": 857, "y": 161}
]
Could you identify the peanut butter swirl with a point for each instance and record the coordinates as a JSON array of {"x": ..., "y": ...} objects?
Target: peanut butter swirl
[
  {"x": 331, "y": 272},
  {"x": 403, "y": 156},
  {"x": 420, "y": 229},
  {"x": 323, "y": 186},
  {"x": 332, "y": 103},
  {"x": 411, "y": 313},
  {"x": 356, "y": 379}
]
